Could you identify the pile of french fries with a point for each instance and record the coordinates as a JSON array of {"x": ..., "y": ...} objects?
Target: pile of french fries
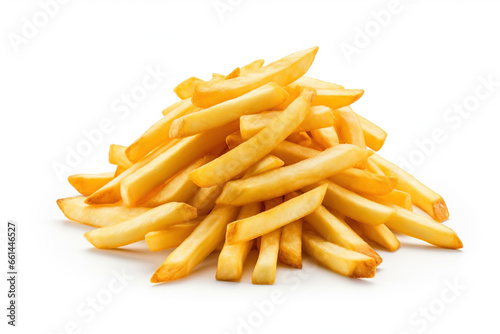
[{"x": 263, "y": 158}]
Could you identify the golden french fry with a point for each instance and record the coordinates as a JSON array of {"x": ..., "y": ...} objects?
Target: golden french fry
[
  {"x": 234, "y": 139},
  {"x": 290, "y": 252},
  {"x": 423, "y": 228},
  {"x": 423, "y": 197},
  {"x": 87, "y": 184},
  {"x": 362, "y": 181},
  {"x": 75, "y": 209},
  {"x": 337, "y": 98},
  {"x": 118, "y": 157},
  {"x": 138, "y": 185},
  {"x": 157, "y": 133},
  {"x": 334, "y": 229},
  {"x": 300, "y": 138},
  {"x": 280, "y": 181},
  {"x": 325, "y": 137},
  {"x": 246, "y": 154},
  {"x": 179, "y": 188},
  {"x": 110, "y": 193},
  {"x": 306, "y": 82},
  {"x": 319, "y": 117},
  {"x": 372, "y": 167},
  {"x": 172, "y": 236},
  {"x": 379, "y": 234},
  {"x": 398, "y": 197},
  {"x": 257, "y": 100},
  {"x": 251, "y": 67},
  {"x": 349, "y": 127},
  {"x": 293, "y": 93},
  {"x": 264, "y": 271},
  {"x": 204, "y": 199},
  {"x": 234, "y": 74},
  {"x": 268, "y": 163},
  {"x": 135, "y": 229},
  {"x": 267, "y": 221},
  {"x": 282, "y": 72},
  {"x": 172, "y": 107},
  {"x": 374, "y": 136},
  {"x": 354, "y": 206},
  {"x": 119, "y": 170},
  {"x": 336, "y": 258},
  {"x": 185, "y": 89},
  {"x": 232, "y": 257}
]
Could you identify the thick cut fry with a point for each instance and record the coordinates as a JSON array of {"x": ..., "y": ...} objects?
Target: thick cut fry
[
  {"x": 172, "y": 107},
  {"x": 300, "y": 138},
  {"x": 110, "y": 193},
  {"x": 232, "y": 257},
  {"x": 265, "y": 268},
  {"x": 157, "y": 133},
  {"x": 423, "y": 197},
  {"x": 306, "y": 82},
  {"x": 379, "y": 234},
  {"x": 200, "y": 243},
  {"x": 268, "y": 163},
  {"x": 354, "y": 206},
  {"x": 234, "y": 139},
  {"x": 185, "y": 89},
  {"x": 319, "y": 117},
  {"x": 282, "y": 72},
  {"x": 349, "y": 127},
  {"x": 290, "y": 252},
  {"x": 234, "y": 74},
  {"x": 337, "y": 98},
  {"x": 136, "y": 229},
  {"x": 334, "y": 229},
  {"x": 267, "y": 221},
  {"x": 136, "y": 186},
  {"x": 180, "y": 188},
  {"x": 87, "y": 184},
  {"x": 362, "y": 181},
  {"x": 372, "y": 167},
  {"x": 423, "y": 228},
  {"x": 293, "y": 177},
  {"x": 260, "y": 99},
  {"x": 246, "y": 154},
  {"x": 74, "y": 208},
  {"x": 251, "y": 67},
  {"x": 119, "y": 170},
  {"x": 325, "y": 137},
  {"x": 118, "y": 157},
  {"x": 374, "y": 136},
  {"x": 398, "y": 197},
  {"x": 172, "y": 236},
  {"x": 293, "y": 93},
  {"x": 336, "y": 258},
  {"x": 204, "y": 199}
]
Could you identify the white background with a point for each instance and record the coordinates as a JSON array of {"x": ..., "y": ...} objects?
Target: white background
[{"x": 66, "y": 78}]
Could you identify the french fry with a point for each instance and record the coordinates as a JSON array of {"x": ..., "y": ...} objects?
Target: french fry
[
  {"x": 319, "y": 117},
  {"x": 246, "y": 154},
  {"x": 185, "y": 89},
  {"x": 337, "y": 98},
  {"x": 300, "y": 138},
  {"x": 269, "y": 220},
  {"x": 135, "y": 229},
  {"x": 374, "y": 136},
  {"x": 423, "y": 197},
  {"x": 423, "y": 228},
  {"x": 172, "y": 107},
  {"x": 336, "y": 258},
  {"x": 349, "y": 126},
  {"x": 282, "y": 72},
  {"x": 251, "y": 67},
  {"x": 398, "y": 197},
  {"x": 87, "y": 184},
  {"x": 279, "y": 182},
  {"x": 172, "y": 236},
  {"x": 293, "y": 93},
  {"x": 204, "y": 199},
  {"x": 110, "y": 193},
  {"x": 372, "y": 167},
  {"x": 234, "y": 74},
  {"x": 290, "y": 252},
  {"x": 325, "y": 137},
  {"x": 257, "y": 100},
  {"x": 311, "y": 83},
  {"x": 232, "y": 257},
  {"x": 334, "y": 229},
  {"x": 353, "y": 205},
  {"x": 362, "y": 181},
  {"x": 119, "y": 170},
  {"x": 75, "y": 209},
  {"x": 264, "y": 271},
  {"x": 180, "y": 188},
  {"x": 234, "y": 139},
  {"x": 136, "y": 186},
  {"x": 379, "y": 234},
  {"x": 157, "y": 133},
  {"x": 268, "y": 163},
  {"x": 118, "y": 157}
]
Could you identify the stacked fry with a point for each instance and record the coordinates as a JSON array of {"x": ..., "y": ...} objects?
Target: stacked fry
[{"x": 261, "y": 158}]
